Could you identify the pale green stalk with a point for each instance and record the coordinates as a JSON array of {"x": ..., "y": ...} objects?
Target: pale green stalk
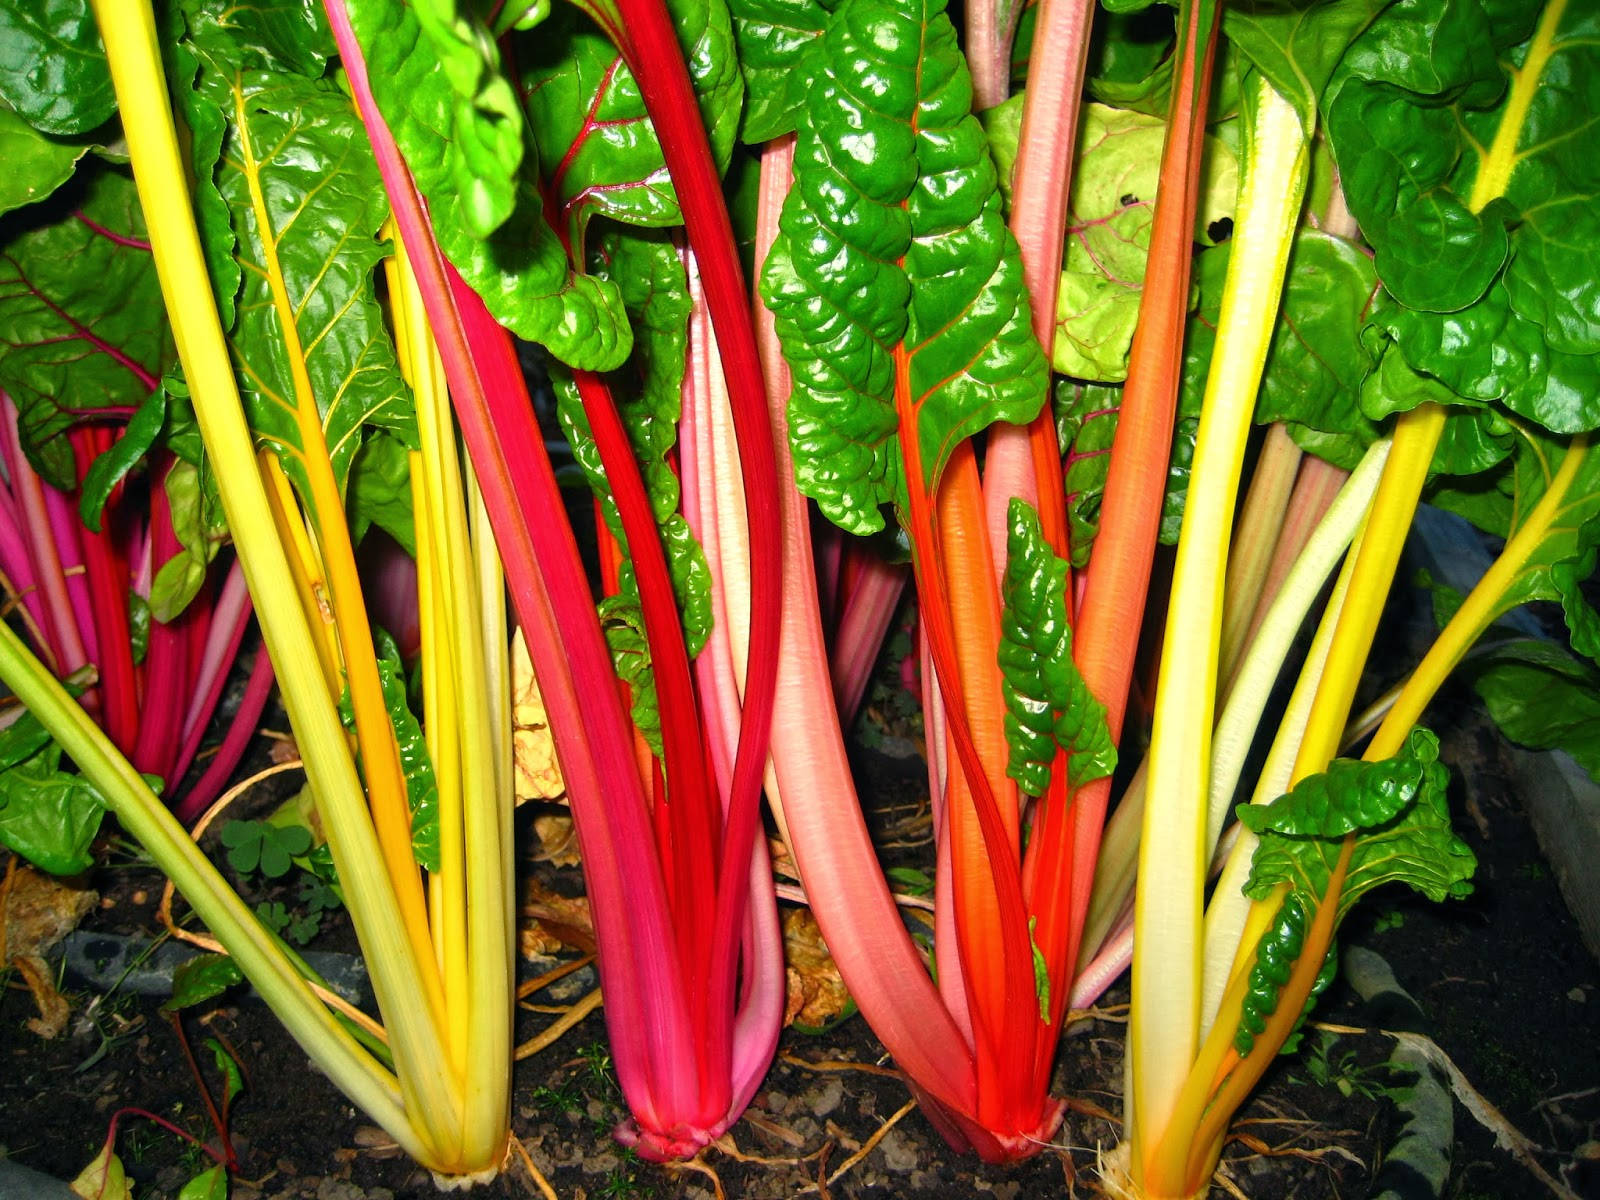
[{"x": 1165, "y": 1014}]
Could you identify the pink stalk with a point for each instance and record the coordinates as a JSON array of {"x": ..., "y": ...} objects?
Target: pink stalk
[
  {"x": 814, "y": 788},
  {"x": 59, "y": 624},
  {"x": 234, "y": 743},
  {"x": 1027, "y": 462},
  {"x": 17, "y": 566},
  {"x": 946, "y": 940},
  {"x": 650, "y": 1030},
  {"x": 66, "y": 533},
  {"x": 1103, "y": 970},
  {"x": 230, "y": 613},
  {"x": 828, "y": 556},
  {"x": 869, "y": 608}
]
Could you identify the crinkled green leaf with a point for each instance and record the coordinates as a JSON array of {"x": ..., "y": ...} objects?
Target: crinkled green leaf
[
  {"x": 473, "y": 106},
  {"x": 1395, "y": 809},
  {"x": 379, "y": 490},
  {"x": 771, "y": 35},
  {"x": 48, "y": 816},
  {"x": 36, "y": 163},
  {"x": 1494, "y": 294},
  {"x": 1108, "y": 236},
  {"x": 598, "y": 151},
  {"x": 893, "y": 237},
  {"x": 53, "y": 68},
  {"x": 520, "y": 269},
  {"x": 1041, "y": 973},
  {"x": 1296, "y": 46},
  {"x": 647, "y": 389},
  {"x": 422, "y": 786},
  {"x": 202, "y": 978},
  {"x": 623, "y": 625},
  {"x": 1048, "y": 705},
  {"x": 1543, "y": 698},
  {"x": 283, "y": 35},
  {"x": 1086, "y": 424},
  {"x": 1276, "y": 952},
  {"x": 80, "y": 307},
  {"x": 112, "y": 467},
  {"x": 21, "y": 739}
]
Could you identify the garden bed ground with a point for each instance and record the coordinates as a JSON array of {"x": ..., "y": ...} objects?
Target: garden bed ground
[{"x": 1512, "y": 997}]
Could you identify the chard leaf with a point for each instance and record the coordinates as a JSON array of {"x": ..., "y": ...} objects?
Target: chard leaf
[
  {"x": 202, "y": 978},
  {"x": 1485, "y": 233},
  {"x": 198, "y": 523},
  {"x": 623, "y": 624},
  {"x": 85, "y": 329},
  {"x": 1395, "y": 810},
  {"x": 1130, "y": 58},
  {"x": 600, "y": 154},
  {"x": 1108, "y": 236},
  {"x": 379, "y": 491},
  {"x": 48, "y": 816},
  {"x": 1086, "y": 423},
  {"x": 892, "y": 243},
  {"x": 22, "y": 739},
  {"x": 53, "y": 68},
  {"x": 307, "y": 203},
  {"x": 1048, "y": 705},
  {"x": 1296, "y": 46},
  {"x": 36, "y": 163},
  {"x": 472, "y": 108},
  {"x": 521, "y": 268},
  {"x": 110, "y": 468},
  {"x": 649, "y": 276},
  {"x": 772, "y": 34},
  {"x": 422, "y": 786},
  {"x": 1543, "y": 698}
]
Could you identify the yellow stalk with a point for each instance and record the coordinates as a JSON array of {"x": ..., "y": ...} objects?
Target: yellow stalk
[
  {"x": 475, "y": 873},
  {"x": 1165, "y": 1014},
  {"x": 134, "y": 55},
  {"x": 305, "y": 566},
  {"x": 1485, "y": 603}
]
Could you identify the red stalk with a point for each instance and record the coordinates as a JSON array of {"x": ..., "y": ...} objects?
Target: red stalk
[
  {"x": 108, "y": 586},
  {"x": 240, "y": 730}
]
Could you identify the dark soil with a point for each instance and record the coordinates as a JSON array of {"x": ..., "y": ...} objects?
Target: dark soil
[{"x": 1512, "y": 996}]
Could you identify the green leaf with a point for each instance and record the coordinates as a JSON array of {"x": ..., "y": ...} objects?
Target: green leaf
[
  {"x": 378, "y": 491},
  {"x": 36, "y": 163},
  {"x": 1041, "y": 973},
  {"x": 1276, "y": 952},
  {"x": 893, "y": 237},
  {"x": 85, "y": 327},
  {"x": 110, "y": 468},
  {"x": 48, "y": 816},
  {"x": 1130, "y": 58},
  {"x": 1543, "y": 698},
  {"x": 1395, "y": 809},
  {"x": 1086, "y": 424},
  {"x": 422, "y": 786},
  {"x": 1048, "y": 705},
  {"x": 473, "y": 104},
  {"x": 210, "y": 1184},
  {"x": 264, "y": 846},
  {"x": 1491, "y": 290},
  {"x": 21, "y": 739},
  {"x": 1108, "y": 235},
  {"x": 53, "y": 68},
  {"x": 648, "y": 391},
  {"x": 301, "y": 155},
  {"x": 138, "y": 626},
  {"x": 200, "y": 979},
  {"x": 772, "y": 35},
  {"x": 1296, "y": 46},
  {"x": 197, "y": 521},
  {"x": 623, "y": 624},
  {"x": 276, "y": 35},
  {"x": 520, "y": 269},
  {"x": 599, "y": 152},
  {"x": 232, "y": 1075}
]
